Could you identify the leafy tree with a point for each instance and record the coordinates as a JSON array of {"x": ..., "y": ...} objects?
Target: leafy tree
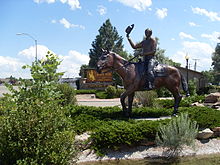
[
  {"x": 216, "y": 64},
  {"x": 34, "y": 128},
  {"x": 209, "y": 76},
  {"x": 108, "y": 38}
]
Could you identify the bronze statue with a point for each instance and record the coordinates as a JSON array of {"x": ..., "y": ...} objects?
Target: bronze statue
[
  {"x": 148, "y": 46},
  {"x": 131, "y": 74}
]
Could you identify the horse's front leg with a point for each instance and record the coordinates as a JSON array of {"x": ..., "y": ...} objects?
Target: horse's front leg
[
  {"x": 130, "y": 101},
  {"x": 126, "y": 111},
  {"x": 122, "y": 100}
]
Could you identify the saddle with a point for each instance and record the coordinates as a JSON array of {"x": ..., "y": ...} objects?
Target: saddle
[{"x": 159, "y": 70}]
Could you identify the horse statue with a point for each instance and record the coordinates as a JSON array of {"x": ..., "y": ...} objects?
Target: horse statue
[{"x": 134, "y": 79}]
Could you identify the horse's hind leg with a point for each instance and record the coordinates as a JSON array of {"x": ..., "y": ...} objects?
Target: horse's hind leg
[{"x": 177, "y": 98}]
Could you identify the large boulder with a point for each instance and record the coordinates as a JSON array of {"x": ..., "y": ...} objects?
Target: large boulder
[
  {"x": 204, "y": 134},
  {"x": 213, "y": 98},
  {"x": 216, "y": 131}
]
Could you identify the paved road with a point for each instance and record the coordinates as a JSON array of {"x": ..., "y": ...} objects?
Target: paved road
[{"x": 90, "y": 100}]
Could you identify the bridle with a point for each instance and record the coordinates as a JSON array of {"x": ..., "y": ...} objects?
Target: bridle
[{"x": 124, "y": 65}]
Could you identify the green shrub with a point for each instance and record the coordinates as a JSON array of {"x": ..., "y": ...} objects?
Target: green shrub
[
  {"x": 111, "y": 91},
  {"x": 67, "y": 94},
  {"x": 151, "y": 112},
  {"x": 114, "y": 134},
  {"x": 185, "y": 102},
  {"x": 178, "y": 132},
  {"x": 86, "y": 91},
  {"x": 119, "y": 91},
  {"x": 34, "y": 128},
  {"x": 146, "y": 98},
  {"x": 204, "y": 116},
  {"x": 101, "y": 94},
  {"x": 192, "y": 87},
  {"x": 163, "y": 92}
]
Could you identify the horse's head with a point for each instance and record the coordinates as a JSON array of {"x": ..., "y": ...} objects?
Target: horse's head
[{"x": 105, "y": 61}]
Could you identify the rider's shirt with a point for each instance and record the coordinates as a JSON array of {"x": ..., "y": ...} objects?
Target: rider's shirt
[{"x": 148, "y": 45}]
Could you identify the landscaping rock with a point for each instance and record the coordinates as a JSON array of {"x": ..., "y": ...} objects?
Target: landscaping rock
[
  {"x": 197, "y": 104},
  {"x": 83, "y": 137},
  {"x": 216, "y": 105},
  {"x": 216, "y": 131},
  {"x": 212, "y": 98},
  {"x": 205, "y": 134}
]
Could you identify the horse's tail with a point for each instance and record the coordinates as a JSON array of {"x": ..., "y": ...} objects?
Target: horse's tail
[{"x": 184, "y": 85}]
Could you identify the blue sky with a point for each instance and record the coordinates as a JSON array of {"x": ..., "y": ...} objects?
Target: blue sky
[{"x": 68, "y": 27}]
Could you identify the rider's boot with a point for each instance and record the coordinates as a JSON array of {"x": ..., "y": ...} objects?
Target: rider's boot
[{"x": 151, "y": 85}]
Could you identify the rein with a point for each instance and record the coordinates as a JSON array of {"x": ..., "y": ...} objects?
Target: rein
[{"x": 125, "y": 64}]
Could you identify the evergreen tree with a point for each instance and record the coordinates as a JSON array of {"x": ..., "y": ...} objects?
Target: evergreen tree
[
  {"x": 109, "y": 39},
  {"x": 216, "y": 64}
]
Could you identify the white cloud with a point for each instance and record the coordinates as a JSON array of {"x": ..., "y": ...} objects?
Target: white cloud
[
  {"x": 213, "y": 16},
  {"x": 68, "y": 25},
  {"x": 195, "y": 50},
  {"x": 102, "y": 10},
  {"x": 74, "y": 4},
  {"x": 212, "y": 37},
  {"x": 11, "y": 67},
  {"x": 29, "y": 54},
  {"x": 72, "y": 62},
  {"x": 193, "y": 24},
  {"x": 183, "y": 35},
  {"x": 47, "y": 1},
  {"x": 139, "y": 5},
  {"x": 161, "y": 13}
]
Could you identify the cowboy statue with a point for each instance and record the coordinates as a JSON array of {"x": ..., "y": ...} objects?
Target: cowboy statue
[{"x": 148, "y": 46}]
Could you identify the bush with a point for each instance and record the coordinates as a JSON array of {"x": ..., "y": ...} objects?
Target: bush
[
  {"x": 204, "y": 116},
  {"x": 146, "y": 98},
  {"x": 192, "y": 87},
  {"x": 114, "y": 134},
  {"x": 86, "y": 91},
  {"x": 178, "y": 132},
  {"x": 34, "y": 128},
  {"x": 67, "y": 94},
  {"x": 163, "y": 92},
  {"x": 185, "y": 102},
  {"x": 111, "y": 91}
]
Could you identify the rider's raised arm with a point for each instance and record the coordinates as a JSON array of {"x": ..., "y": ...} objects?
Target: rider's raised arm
[{"x": 134, "y": 46}]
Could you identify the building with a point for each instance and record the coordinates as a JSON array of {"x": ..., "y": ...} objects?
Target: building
[{"x": 194, "y": 75}]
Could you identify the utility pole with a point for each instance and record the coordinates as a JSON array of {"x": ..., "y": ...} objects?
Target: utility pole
[
  {"x": 195, "y": 65},
  {"x": 35, "y": 41}
]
